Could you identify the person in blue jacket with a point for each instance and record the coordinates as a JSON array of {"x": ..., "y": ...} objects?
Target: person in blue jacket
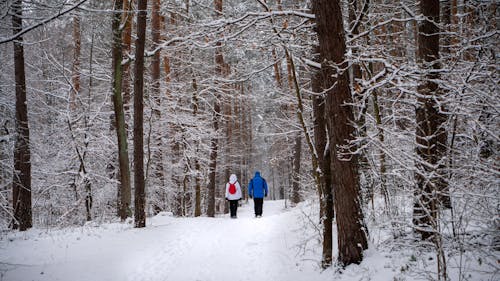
[{"x": 257, "y": 189}]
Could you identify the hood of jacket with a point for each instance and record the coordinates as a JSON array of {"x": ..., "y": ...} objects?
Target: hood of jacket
[
  {"x": 233, "y": 178},
  {"x": 257, "y": 174}
]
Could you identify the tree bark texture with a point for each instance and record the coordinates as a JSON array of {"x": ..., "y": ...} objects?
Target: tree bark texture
[
  {"x": 157, "y": 156},
  {"x": 350, "y": 222},
  {"x": 75, "y": 68},
  {"x": 325, "y": 190},
  {"x": 21, "y": 183},
  {"x": 220, "y": 67},
  {"x": 139, "y": 183},
  {"x": 127, "y": 18},
  {"x": 124, "y": 200},
  {"x": 431, "y": 135}
]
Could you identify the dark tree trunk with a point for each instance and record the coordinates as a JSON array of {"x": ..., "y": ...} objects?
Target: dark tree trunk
[
  {"x": 157, "y": 156},
  {"x": 220, "y": 70},
  {"x": 124, "y": 199},
  {"x": 350, "y": 222},
  {"x": 431, "y": 135},
  {"x": 296, "y": 170},
  {"x": 21, "y": 183},
  {"x": 127, "y": 18},
  {"x": 75, "y": 68},
  {"x": 213, "y": 164},
  {"x": 326, "y": 192},
  {"x": 139, "y": 184}
]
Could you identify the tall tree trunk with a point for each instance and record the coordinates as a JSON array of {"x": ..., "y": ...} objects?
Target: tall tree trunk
[
  {"x": 445, "y": 198},
  {"x": 21, "y": 183},
  {"x": 220, "y": 70},
  {"x": 127, "y": 19},
  {"x": 296, "y": 170},
  {"x": 350, "y": 222},
  {"x": 124, "y": 199},
  {"x": 157, "y": 144},
  {"x": 430, "y": 133},
  {"x": 295, "y": 196},
  {"x": 197, "y": 204},
  {"x": 139, "y": 184},
  {"x": 75, "y": 69},
  {"x": 213, "y": 163},
  {"x": 323, "y": 154},
  {"x": 157, "y": 156}
]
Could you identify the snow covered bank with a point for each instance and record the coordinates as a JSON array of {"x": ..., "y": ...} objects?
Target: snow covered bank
[{"x": 283, "y": 245}]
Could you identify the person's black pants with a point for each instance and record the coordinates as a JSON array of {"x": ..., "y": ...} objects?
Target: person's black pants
[
  {"x": 258, "y": 206},
  {"x": 233, "y": 207}
]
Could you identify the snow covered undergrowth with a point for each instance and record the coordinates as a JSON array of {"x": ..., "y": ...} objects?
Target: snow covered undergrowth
[{"x": 283, "y": 245}]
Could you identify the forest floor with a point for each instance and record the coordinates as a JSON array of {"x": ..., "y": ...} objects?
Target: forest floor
[{"x": 283, "y": 245}]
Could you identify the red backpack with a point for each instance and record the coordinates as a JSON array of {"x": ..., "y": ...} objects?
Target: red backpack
[{"x": 232, "y": 188}]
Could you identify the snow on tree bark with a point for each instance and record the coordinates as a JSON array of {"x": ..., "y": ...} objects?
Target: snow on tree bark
[
  {"x": 350, "y": 222},
  {"x": 139, "y": 181},
  {"x": 21, "y": 183}
]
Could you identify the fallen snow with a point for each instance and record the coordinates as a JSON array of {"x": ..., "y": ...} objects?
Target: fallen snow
[{"x": 283, "y": 245}]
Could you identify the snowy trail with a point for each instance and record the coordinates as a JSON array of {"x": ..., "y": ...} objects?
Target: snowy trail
[{"x": 176, "y": 249}]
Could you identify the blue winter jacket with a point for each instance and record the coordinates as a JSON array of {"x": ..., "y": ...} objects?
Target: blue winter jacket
[{"x": 257, "y": 186}]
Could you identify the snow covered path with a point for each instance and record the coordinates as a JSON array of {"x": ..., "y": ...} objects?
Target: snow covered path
[{"x": 191, "y": 249}]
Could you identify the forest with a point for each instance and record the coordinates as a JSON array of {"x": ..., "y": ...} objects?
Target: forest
[{"x": 380, "y": 116}]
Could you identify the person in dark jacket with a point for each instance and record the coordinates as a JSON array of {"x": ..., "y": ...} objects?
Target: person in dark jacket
[{"x": 257, "y": 189}]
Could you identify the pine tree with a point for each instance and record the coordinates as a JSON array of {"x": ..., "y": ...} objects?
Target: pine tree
[{"x": 350, "y": 223}]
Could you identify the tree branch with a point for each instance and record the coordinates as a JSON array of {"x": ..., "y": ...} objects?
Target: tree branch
[{"x": 28, "y": 29}]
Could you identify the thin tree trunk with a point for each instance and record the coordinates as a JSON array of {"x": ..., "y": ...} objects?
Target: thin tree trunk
[
  {"x": 83, "y": 171},
  {"x": 75, "y": 69},
  {"x": 213, "y": 163},
  {"x": 296, "y": 170},
  {"x": 350, "y": 222},
  {"x": 127, "y": 18},
  {"x": 197, "y": 204},
  {"x": 220, "y": 70},
  {"x": 124, "y": 200},
  {"x": 139, "y": 184},
  {"x": 157, "y": 156},
  {"x": 21, "y": 183},
  {"x": 380, "y": 135}
]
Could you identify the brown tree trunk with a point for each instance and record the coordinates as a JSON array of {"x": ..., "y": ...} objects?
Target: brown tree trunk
[
  {"x": 197, "y": 204},
  {"x": 296, "y": 170},
  {"x": 295, "y": 196},
  {"x": 431, "y": 136},
  {"x": 75, "y": 69},
  {"x": 213, "y": 163},
  {"x": 220, "y": 70},
  {"x": 127, "y": 18},
  {"x": 350, "y": 222},
  {"x": 323, "y": 153},
  {"x": 157, "y": 145},
  {"x": 21, "y": 183},
  {"x": 139, "y": 184},
  {"x": 157, "y": 156},
  {"x": 124, "y": 199}
]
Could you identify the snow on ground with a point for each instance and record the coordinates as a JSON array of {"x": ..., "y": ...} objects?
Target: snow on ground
[{"x": 283, "y": 245}]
